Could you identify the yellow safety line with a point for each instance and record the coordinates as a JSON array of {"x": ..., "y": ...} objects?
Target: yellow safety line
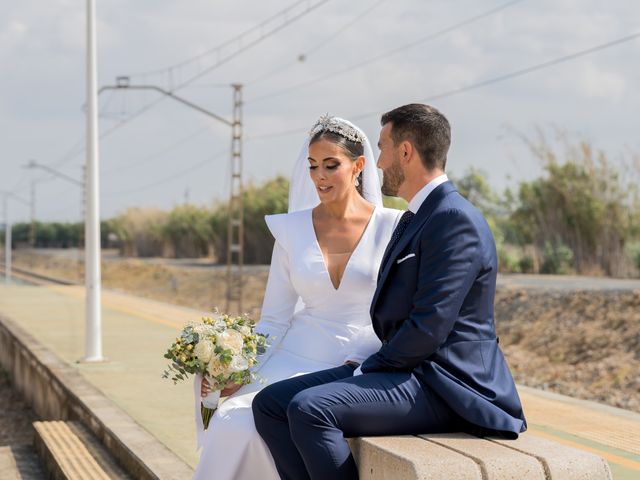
[{"x": 604, "y": 454}]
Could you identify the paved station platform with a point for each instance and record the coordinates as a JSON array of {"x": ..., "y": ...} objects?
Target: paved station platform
[{"x": 137, "y": 331}]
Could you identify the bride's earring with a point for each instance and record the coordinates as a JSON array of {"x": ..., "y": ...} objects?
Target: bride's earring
[{"x": 357, "y": 182}]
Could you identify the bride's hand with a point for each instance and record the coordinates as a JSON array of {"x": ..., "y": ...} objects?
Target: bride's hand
[{"x": 205, "y": 388}]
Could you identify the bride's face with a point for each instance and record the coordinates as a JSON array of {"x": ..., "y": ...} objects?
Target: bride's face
[{"x": 332, "y": 171}]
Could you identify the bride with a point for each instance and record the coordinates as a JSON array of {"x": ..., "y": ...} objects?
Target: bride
[{"x": 322, "y": 278}]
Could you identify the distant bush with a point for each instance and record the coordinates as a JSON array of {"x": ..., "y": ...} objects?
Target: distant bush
[
  {"x": 634, "y": 253},
  {"x": 139, "y": 232},
  {"x": 394, "y": 202},
  {"x": 556, "y": 259},
  {"x": 268, "y": 198},
  {"x": 187, "y": 230},
  {"x": 48, "y": 235},
  {"x": 525, "y": 264},
  {"x": 580, "y": 208},
  {"x": 507, "y": 261}
]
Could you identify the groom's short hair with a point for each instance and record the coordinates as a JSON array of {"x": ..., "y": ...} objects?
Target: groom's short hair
[{"x": 426, "y": 128}]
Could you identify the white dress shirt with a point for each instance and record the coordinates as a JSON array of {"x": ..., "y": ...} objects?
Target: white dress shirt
[{"x": 422, "y": 194}]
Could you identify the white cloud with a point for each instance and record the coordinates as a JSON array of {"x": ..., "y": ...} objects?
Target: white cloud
[{"x": 599, "y": 83}]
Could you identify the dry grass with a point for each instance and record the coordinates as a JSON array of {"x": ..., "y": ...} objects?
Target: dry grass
[
  {"x": 15, "y": 416},
  {"x": 582, "y": 344}
]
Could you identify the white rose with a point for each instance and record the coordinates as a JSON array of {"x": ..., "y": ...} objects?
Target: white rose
[
  {"x": 245, "y": 330},
  {"x": 204, "y": 350},
  {"x": 203, "y": 329},
  {"x": 238, "y": 363},
  {"x": 216, "y": 367},
  {"x": 232, "y": 340}
]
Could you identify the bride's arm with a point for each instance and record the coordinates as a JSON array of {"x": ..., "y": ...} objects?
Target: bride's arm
[
  {"x": 365, "y": 344},
  {"x": 279, "y": 302}
]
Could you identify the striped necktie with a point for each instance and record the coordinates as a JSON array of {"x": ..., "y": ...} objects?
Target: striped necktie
[{"x": 404, "y": 222}]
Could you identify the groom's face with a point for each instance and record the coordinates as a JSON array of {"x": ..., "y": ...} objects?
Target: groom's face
[{"x": 389, "y": 162}]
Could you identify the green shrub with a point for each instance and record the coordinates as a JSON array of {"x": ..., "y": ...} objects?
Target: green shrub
[
  {"x": 187, "y": 229},
  {"x": 266, "y": 199},
  {"x": 582, "y": 204},
  {"x": 557, "y": 259},
  {"x": 525, "y": 264}
]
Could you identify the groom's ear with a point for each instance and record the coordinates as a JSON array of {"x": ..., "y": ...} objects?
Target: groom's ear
[{"x": 406, "y": 151}]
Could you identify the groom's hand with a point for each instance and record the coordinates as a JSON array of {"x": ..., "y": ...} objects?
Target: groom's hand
[{"x": 229, "y": 389}]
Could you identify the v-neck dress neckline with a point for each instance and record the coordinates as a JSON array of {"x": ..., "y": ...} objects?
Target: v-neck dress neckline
[{"x": 353, "y": 252}]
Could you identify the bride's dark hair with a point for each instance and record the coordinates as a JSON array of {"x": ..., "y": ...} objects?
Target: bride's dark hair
[{"x": 352, "y": 149}]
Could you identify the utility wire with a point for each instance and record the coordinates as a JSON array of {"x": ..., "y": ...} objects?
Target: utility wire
[
  {"x": 521, "y": 72},
  {"x": 228, "y": 58},
  {"x": 238, "y": 39},
  {"x": 393, "y": 51},
  {"x": 317, "y": 46},
  {"x": 220, "y": 62},
  {"x": 178, "y": 174},
  {"x": 484, "y": 83},
  {"x": 152, "y": 156}
]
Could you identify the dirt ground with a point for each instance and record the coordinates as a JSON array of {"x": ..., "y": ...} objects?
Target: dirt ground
[
  {"x": 585, "y": 344},
  {"x": 15, "y": 416}
]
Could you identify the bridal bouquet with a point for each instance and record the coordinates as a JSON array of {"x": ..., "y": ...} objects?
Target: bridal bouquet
[{"x": 220, "y": 348}]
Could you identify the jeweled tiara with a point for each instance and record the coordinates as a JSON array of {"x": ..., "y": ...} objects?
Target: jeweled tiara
[{"x": 327, "y": 123}]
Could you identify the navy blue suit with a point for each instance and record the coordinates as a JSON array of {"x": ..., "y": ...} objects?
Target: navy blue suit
[{"x": 439, "y": 368}]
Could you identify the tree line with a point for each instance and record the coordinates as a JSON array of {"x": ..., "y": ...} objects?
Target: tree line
[{"x": 582, "y": 215}]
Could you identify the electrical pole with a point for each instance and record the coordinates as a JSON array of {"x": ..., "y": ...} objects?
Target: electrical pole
[
  {"x": 93, "y": 329},
  {"x": 7, "y": 232},
  {"x": 235, "y": 227},
  {"x": 7, "y": 240},
  {"x": 32, "y": 229},
  {"x": 235, "y": 231}
]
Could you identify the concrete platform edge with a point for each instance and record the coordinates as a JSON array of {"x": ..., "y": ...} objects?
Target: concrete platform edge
[{"x": 56, "y": 391}]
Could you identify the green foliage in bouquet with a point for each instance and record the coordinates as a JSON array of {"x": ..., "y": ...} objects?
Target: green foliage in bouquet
[{"x": 222, "y": 348}]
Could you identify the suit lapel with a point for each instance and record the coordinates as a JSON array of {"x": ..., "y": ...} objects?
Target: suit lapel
[{"x": 423, "y": 214}]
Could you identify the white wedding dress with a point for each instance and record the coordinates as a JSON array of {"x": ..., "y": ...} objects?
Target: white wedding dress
[{"x": 312, "y": 326}]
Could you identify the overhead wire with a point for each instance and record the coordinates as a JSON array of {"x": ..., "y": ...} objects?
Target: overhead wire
[
  {"x": 317, "y": 46},
  {"x": 236, "y": 39},
  {"x": 484, "y": 83},
  {"x": 393, "y": 51},
  {"x": 178, "y": 174},
  {"x": 521, "y": 72},
  {"x": 72, "y": 154},
  {"x": 153, "y": 156}
]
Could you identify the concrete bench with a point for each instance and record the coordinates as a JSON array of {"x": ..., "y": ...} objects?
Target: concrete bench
[
  {"x": 464, "y": 457},
  {"x": 70, "y": 452}
]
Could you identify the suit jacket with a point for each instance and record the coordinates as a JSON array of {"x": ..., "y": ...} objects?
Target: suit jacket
[{"x": 433, "y": 312}]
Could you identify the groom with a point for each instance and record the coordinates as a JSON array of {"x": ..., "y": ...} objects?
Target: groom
[{"x": 439, "y": 368}]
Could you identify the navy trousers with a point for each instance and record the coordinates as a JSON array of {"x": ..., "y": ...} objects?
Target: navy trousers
[{"x": 304, "y": 420}]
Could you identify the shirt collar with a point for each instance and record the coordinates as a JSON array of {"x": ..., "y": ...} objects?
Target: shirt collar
[{"x": 419, "y": 198}]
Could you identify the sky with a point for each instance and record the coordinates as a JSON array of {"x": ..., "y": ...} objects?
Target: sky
[{"x": 356, "y": 59}]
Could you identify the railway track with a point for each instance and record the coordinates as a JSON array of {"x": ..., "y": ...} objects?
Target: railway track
[{"x": 34, "y": 278}]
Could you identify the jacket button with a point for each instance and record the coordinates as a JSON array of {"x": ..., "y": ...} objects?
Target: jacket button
[{"x": 384, "y": 342}]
